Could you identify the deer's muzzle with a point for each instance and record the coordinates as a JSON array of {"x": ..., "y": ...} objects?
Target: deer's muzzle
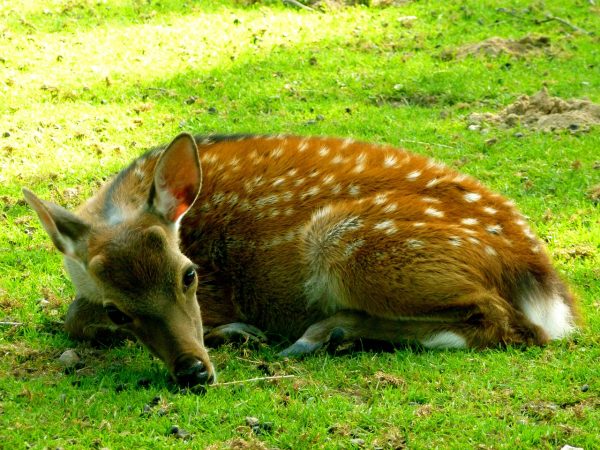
[{"x": 190, "y": 371}]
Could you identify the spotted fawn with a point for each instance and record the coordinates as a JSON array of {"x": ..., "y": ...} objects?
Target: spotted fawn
[{"x": 315, "y": 240}]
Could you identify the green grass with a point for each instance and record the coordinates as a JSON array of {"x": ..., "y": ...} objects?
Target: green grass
[{"x": 86, "y": 85}]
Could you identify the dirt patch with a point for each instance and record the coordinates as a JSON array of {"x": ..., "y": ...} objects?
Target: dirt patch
[
  {"x": 496, "y": 46},
  {"x": 545, "y": 113}
]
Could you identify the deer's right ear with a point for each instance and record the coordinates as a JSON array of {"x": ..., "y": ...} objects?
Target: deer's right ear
[
  {"x": 67, "y": 231},
  {"x": 177, "y": 179}
]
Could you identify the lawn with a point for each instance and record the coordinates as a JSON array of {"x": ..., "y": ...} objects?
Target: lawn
[{"x": 87, "y": 85}]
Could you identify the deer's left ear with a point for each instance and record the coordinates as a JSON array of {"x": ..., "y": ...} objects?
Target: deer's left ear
[{"x": 177, "y": 179}]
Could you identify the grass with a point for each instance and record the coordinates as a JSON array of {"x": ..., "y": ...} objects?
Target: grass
[{"x": 85, "y": 86}]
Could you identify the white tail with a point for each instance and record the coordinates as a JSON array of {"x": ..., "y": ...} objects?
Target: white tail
[{"x": 313, "y": 239}]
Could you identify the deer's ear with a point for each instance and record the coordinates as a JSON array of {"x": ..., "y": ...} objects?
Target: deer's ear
[
  {"x": 177, "y": 179},
  {"x": 68, "y": 232}
]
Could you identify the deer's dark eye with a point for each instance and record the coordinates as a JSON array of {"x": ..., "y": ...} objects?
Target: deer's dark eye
[
  {"x": 189, "y": 276},
  {"x": 116, "y": 315}
]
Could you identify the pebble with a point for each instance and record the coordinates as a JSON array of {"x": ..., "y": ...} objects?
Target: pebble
[
  {"x": 585, "y": 388},
  {"x": 357, "y": 441},
  {"x": 252, "y": 421},
  {"x": 180, "y": 433},
  {"x": 70, "y": 360}
]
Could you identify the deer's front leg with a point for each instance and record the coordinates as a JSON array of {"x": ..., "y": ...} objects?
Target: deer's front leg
[{"x": 88, "y": 321}]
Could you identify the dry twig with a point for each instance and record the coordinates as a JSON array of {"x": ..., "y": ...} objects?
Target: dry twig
[
  {"x": 298, "y": 5},
  {"x": 252, "y": 380}
]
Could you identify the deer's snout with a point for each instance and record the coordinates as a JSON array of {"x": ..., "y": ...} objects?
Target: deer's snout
[{"x": 190, "y": 371}]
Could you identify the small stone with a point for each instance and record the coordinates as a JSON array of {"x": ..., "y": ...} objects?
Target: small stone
[
  {"x": 252, "y": 421},
  {"x": 70, "y": 360},
  {"x": 212, "y": 110},
  {"x": 585, "y": 388},
  {"x": 474, "y": 127},
  {"x": 569, "y": 447},
  {"x": 146, "y": 410},
  {"x": 190, "y": 100},
  {"x": 518, "y": 135},
  {"x": 179, "y": 433},
  {"x": 491, "y": 141},
  {"x": 358, "y": 442}
]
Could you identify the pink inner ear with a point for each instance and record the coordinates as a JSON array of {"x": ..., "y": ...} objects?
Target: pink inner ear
[{"x": 179, "y": 210}]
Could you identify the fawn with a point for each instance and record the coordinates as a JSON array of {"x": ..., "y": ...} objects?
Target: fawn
[{"x": 317, "y": 240}]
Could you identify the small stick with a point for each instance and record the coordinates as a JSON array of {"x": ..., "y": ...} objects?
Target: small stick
[
  {"x": 298, "y": 5},
  {"x": 426, "y": 143},
  {"x": 550, "y": 17},
  {"x": 11, "y": 324},
  {"x": 251, "y": 380}
]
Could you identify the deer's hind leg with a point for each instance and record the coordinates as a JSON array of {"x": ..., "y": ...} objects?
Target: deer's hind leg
[{"x": 471, "y": 321}]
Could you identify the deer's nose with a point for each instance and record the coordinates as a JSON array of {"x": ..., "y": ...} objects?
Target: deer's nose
[{"x": 191, "y": 372}]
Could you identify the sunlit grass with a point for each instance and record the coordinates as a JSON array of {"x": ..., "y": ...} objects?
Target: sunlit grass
[{"x": 87, "y": 85}]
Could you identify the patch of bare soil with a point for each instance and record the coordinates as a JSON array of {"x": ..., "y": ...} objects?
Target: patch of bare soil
[
  {"x": 495, "y": 46},
  {"x": 545, "y": 113}
]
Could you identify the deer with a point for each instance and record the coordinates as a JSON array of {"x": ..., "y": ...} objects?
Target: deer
[{"x": 313, "y": 240}]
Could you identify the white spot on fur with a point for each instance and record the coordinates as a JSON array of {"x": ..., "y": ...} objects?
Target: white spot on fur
[
  {"x": 387, "y": 225},
  {"x": 278, "y": 181},
  {"x": 336, "y": 188},
  {"x": 444, "y": 339},
  {"x": 433, "y": 182},
  {"x": 311, "y": 192},
  {"x": 455, "y": 241},
  {"x": 490, "y": 210},
  {"x": 490, "y": 250},
  {"x": 412, "y": 176},
  {"x": 359, "y": 168},
  {"x": 276, "y": 152},
  {"x": 299, "y": 181},
  {"x": 347, "y": 142},
  {"x": 472, "y": 197},
  {"x": 473, "y": 240},
  {"x": 353, "y": 190},
  {"x": 430, "y": 200},
  {"x": 267, "y": 200},
  {"x": 415, "y": 243},
  {"x": 494, "y": 229},
  {"x": 390, "y": 161},
  {"x": 328, "y": 179},
  {"x": 292, "y": 172},
  {"x": 419, "y": 224},
  {"x": 434, "y": 212},
  {"x": 323, "y": 151},
  {"x": 338, "y": 159},
  {"x": 469, "y": 221},
  {"x": 390, "y": 208},
  {"x": 303, "y": 145},
  {"x": 380, "y": 199},
  {"x": 549, "y": 312}
]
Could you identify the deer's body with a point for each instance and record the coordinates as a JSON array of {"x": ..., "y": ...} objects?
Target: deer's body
[{"x": 320, "y": 239}]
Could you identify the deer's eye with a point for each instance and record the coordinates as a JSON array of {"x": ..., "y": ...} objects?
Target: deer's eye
[
  {"x": 189, "y": 276},
  {"x": 116, "y": 315}
]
